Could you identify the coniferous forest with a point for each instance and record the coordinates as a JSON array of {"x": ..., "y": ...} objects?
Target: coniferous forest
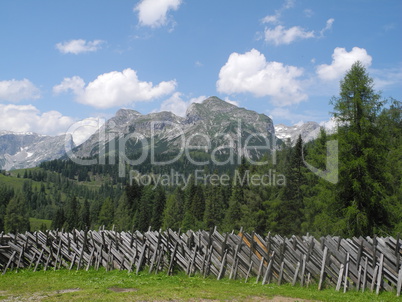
[{"x": 360, "y": 195}]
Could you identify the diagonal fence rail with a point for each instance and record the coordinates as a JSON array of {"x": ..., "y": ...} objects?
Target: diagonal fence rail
[{"x": 353, "y": 263}]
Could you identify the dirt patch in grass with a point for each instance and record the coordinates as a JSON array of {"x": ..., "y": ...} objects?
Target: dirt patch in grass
[
  {"x": 69, "y": 290},
  {"x": 277, "y": 299},
  {"x": 122, "y": 290},
  {"x": 256, "y": 299},
  {"x": 37, "y": 296}
]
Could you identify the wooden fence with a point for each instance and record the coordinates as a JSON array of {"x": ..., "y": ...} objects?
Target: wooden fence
[{"x": 355, "y": 263}]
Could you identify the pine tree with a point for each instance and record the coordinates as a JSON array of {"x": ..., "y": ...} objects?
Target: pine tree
[
  {"x": 289, "y": 211},
  {"x": 194, "y": 206},
  {"x": 158, "y": 208},
  {"x": 174, "y": 210},
  {"x": 214, "y": 206},
  {"x": 123, "y": 217},
  {"x": 320, "y": 212},
  {"x": 133, "y": 192},
  {"x": 252, "y": 213},
  {"x": 189, "y": 221},
  {"x": 390, "y": 122},
  {"x": 198, "y": 203},
  {"x": 94, "y": 211},
  {"x": 106, "y": 213},
  {"x": 85, "y": 219},
  {"x": 71, "y": 212},
  {"x": 5, "y": 196},
  {"x": 59, "y": 219},
  {"x": 16, "y": 218},
  {"x": 361, "y": 154},
  {"x": 143, "y": 218},
  {"x": 233, "y": 213}
]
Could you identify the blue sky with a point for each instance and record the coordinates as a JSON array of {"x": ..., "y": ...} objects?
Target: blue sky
[{"x": 65, "y": 61}]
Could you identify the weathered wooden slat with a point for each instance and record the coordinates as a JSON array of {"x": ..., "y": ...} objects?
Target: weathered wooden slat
[
  {"x": 260, "y": 270},
  {"x": 39, "y": 258},
  {"x": 281, "y": 273},
  {"x": 296, "y": 274},
  {"x": 345, "y": 281},
  {"x": 322, "y": 273},
  {"x": 340, "y": 277},
  {"x": 303, "y": 271},
  {"x": 268, "y": 272},
  {"x": 248, "y": 272},
  {"x": 359, "y": 278},
  {"x": 365, "y": 275},
  {"x": 398, "y": 287},
  {"x": 10, "y": 261},
  {"x": 379, "y": 278},
  {"x": 172, "y": 259},
  {"x": 374, "y": 278},
  {"x": 222, "y": 268}
]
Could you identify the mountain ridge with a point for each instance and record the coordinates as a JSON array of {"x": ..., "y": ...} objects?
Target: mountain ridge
[
  {"x": 27, "y": 150},
  {"x": 212, "y": 119}
]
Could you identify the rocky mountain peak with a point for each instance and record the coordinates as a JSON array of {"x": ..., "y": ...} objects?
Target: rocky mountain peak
[
  {"x": 212, "y": 105},
  {"x": 127, "y": 113},
  {"x": 216, "y": 104}
]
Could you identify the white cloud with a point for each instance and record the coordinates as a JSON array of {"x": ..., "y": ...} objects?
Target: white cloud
[
  {"x": 330, "y": 125},
  {"x": 114, "y": 89},
  {"x": 386, "y": 78},
  {"x": 280, "y": 35},
  {"x": 79, "y": 46},
  {"x": 153, "y": 13},
  {"x": 288, "y": 4},
  {"x": 177, "y": 105},
  {"x": 328, "y": 26},
  {"x": 341, "y": 62},
  {"x": 308, "y": 12},
  {"x": 15, "y": 91},
  {"x": 271, "y": 19},
  {"x": 250, "y": 72},
  {"x": 82, "y": 130},
  {"x": 27, "y": 118},
  {"x": 288, "y": 115},
  {"x": 278, "y": 13},
  {"x": 236, "y": 103},
  {"x": 76, "y": 84},
  {"x": 295, "y": 116}
]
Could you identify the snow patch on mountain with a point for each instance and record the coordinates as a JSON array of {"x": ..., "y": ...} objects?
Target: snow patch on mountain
[
  {"x": 308, "y": 130},
  {"x": 27, "y": 150}
]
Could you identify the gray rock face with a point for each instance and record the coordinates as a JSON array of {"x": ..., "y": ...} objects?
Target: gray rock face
[{"x": 27, "y": 150}]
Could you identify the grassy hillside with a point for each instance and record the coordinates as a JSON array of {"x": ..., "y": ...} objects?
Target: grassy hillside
[
  {"x": 99, "y": 285},
  {"x": 13, "y": 181},
  {"x": 39, "y": 224}
]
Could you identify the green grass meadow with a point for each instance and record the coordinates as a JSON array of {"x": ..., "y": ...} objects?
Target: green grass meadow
[
  {"x": 64, "y": 285},
  {"x": 39, "y": 224}
]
